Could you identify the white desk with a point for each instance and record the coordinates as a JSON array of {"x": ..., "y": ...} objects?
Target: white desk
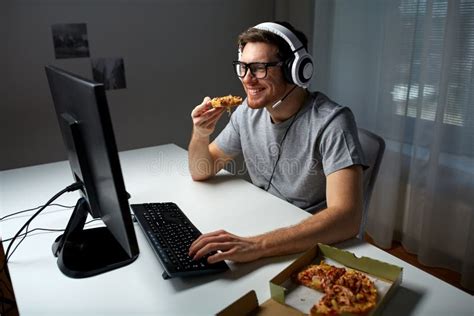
[{"x": 161, "y": 174}]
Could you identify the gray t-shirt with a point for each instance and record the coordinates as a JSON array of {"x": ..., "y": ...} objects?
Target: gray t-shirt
[{"x": 320, "y": 139}]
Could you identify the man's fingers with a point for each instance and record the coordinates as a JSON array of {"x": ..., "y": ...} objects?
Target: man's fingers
[
  {"x": 212, "y": 247},
  {"x": 202, "y": 108},
  {"x": 221, "y": 256},
  {"x": 202, "y": 242},
  {"x": 211, "y": 122},
  {"x": 213, "y": 237},
  {"x": 198, "y": 240},
  {"x": 211, "y": 115},
  {"x": 227, "y": 247}
]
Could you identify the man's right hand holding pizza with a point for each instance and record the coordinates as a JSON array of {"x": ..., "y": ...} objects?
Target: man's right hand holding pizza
[
  {"x": 205, "y": 118},
  {"x": 205, "y": 159}
]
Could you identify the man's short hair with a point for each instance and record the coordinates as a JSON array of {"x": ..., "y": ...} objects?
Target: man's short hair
[{"x": 253, "y": 35}]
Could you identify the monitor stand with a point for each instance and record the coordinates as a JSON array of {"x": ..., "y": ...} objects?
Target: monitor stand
[{"x": 84, "y": 253}]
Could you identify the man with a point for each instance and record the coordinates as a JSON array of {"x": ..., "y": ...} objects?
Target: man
[{"x": 297, "y": 145}]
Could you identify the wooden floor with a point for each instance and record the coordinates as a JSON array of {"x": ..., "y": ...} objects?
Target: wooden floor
[
  {"x": 7, "y": 298},
  {"x": 446, "y": 275}
]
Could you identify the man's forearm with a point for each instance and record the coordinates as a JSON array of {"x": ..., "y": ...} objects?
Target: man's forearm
[
  {"x": 328, "y": 226},
  {"x": 201, "y": 163},
  {"x": 340, "y": 221}
]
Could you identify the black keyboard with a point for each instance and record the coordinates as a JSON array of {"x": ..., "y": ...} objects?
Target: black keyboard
[{"x": 170, "y": 234}]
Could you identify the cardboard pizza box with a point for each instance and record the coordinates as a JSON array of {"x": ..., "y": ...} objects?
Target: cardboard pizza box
[
  {"x": 289, "y": 298},
  {"x": 248, "y": 305},
  {"x": 387, "y": 277}
]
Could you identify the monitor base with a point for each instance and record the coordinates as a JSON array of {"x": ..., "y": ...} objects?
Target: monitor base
[{"x": 84, "y": 253}]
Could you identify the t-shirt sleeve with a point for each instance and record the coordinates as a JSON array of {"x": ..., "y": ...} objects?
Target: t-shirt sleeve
[
  {"x": 229, "y": 139},
  {"x": 339, "y": 146}
]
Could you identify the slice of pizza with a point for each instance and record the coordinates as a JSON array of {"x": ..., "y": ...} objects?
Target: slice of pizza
[
  {"x": 353, "y": 293},
  {"x": 227, "y": 101},
  {"x": 319, "y": 276},
  {"x": 336, "y": 300},
  {"x": 364, "y": 289}
]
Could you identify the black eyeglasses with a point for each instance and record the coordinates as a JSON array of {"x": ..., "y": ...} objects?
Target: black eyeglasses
[{"x": 258, "y": 70}]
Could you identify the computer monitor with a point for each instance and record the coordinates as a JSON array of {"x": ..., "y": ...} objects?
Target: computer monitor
[{"x": 86, "y": 127}]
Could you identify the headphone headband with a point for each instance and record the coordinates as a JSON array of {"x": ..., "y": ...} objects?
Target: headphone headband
[{"x": 283, "y": 32}]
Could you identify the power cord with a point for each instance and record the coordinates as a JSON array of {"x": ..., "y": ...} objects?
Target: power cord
[
  {"x": 33, "y": 209},
  {"x": 6, "y": 301},
  {"x": 46, "y": 230},
  {"x": 73, "y": 187}
]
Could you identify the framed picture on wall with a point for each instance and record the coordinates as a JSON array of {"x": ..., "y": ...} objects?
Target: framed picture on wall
[
  {"x": 110, "y": 72},
  {"x": 70, "y": 40}
]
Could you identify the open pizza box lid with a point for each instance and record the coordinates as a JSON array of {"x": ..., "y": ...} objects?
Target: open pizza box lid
[
  {"x": 289, "y": 298},
  {"x": 248, "y": 305}
]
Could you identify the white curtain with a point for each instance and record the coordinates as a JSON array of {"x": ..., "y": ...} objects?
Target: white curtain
[{"x": 405, "y": 67}]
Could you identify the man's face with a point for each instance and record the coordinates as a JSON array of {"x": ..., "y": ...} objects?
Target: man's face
[{"x": 266, "y": 91}]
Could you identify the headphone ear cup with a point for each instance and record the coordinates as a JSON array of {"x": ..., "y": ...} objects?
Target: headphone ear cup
[
  {"x": 287, "y": 69},
  {"x": 305, "y": 69}
]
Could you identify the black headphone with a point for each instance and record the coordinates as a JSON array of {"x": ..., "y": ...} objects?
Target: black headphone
[{"x": 298, "y": 69}]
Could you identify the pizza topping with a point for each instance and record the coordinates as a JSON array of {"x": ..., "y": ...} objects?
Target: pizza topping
[
  {"x": 226, "y": 101},
  {"x": 346, "y": 290},
  {"x": 320, "y": 277},
  {"x": 361, "y": 285}
]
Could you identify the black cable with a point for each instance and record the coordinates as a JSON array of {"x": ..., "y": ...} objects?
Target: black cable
[
  {"x": 24, "y": 235},
  {"x": 279, "y": 148},
  {"x": 4, "y": 301},
  {"x": 36, "y": 229},
  {"x": 284, "y": 97},
  {"x": 18, "y": 244},
  {"x": 33, "y": 209},
  {"x": 47, "y": 230},
  {"x": 73, "y": 187}
]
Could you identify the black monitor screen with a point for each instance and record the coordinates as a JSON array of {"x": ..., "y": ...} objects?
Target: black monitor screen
[{"x": 86, "y": 127}]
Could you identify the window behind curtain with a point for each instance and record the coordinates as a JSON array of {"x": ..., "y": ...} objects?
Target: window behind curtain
[{"x": 434, "y": 68}]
